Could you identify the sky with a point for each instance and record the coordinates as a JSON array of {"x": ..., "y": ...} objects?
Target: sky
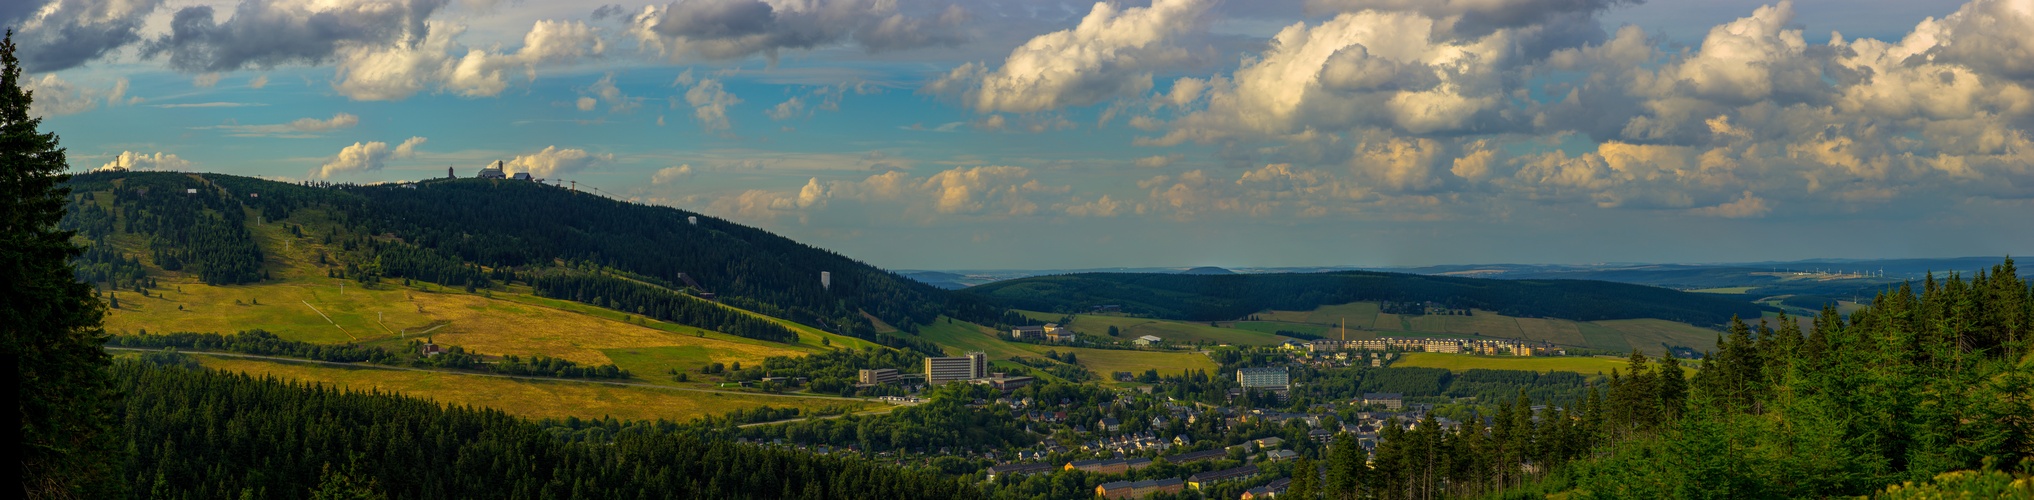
[{"x": 983, "y": 134}]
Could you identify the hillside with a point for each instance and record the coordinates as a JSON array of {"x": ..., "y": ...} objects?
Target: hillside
[
  {"x": 1229, "y": 297},
  {"x": 476, "y": 233}
]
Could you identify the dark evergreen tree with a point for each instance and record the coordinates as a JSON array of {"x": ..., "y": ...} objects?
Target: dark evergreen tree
[{"x": 49, "y": 322}]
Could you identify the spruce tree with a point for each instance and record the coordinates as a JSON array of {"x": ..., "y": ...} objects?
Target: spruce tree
[
  {"x": 50, "y": 320},
  {"x": 1345, "y": 468},
  {"x": 1306, "y": 481}
]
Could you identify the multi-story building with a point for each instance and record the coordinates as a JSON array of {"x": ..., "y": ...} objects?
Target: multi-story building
[
  {"x": 1447, "y": 346},
  {"x": 956, "y": 368},
  {"x": 1205, "y": 479},
  {"x": 1262, "y": 378},
  {"x": 879, "y": 376},
  {"x": 1139, "y": 489}
]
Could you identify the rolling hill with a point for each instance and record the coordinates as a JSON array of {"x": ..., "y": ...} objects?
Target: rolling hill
[
  {"x": 474, "y": 232},
  {"x": 1229, "y": 297}
]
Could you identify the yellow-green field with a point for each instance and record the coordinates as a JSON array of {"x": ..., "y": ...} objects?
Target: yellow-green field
[
  {"x": 1462, "y": 362},
  {"x": 506, "y": 323},
  {"x": 1620, "y": 335},
  {"x": 1170, "y": 330},
  {"x": 1647, "y": 335},
  {"x": 961, "y": 337},
  {"x": 527, "y": 398}
]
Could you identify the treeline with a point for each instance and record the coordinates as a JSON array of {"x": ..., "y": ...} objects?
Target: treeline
[
  {"x": 262, "y": 343},
  {"x": 1225, "y": 297},
  {"x": 203, "y": 233},
  {"x": 833, "y": 372},
  {"x": 659, "y": 303},
  {"x": 1521, "y": 441},
  {"x": 1922, "y": 382},
  {"x": 202, "y": 434},
  {"x": 945, "y": 422}
]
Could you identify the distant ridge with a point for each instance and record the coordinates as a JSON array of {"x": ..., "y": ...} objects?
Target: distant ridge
[
  {"x": 1228, "y": 297},
  {"x": 1207, "y": 270},
  {"x": 460, "y": 232}
]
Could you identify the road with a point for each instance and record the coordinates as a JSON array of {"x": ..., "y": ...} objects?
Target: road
[
  {"x": 496, "y": 375},
  {"x": 799, "y": 419}
]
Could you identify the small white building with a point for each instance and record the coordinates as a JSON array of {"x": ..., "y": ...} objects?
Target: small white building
[{"x": 1148, "y": 340}]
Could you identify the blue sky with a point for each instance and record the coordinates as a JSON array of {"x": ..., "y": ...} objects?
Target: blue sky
[{"x": 1030, "y": 134}]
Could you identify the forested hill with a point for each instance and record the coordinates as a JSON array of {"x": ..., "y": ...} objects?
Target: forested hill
[
  {"x": 474, "y": 232},
  {"x": 1225, "y": 297}
]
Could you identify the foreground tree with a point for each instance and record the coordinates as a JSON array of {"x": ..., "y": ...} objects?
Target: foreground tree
[{"x": 49, "y": 322}]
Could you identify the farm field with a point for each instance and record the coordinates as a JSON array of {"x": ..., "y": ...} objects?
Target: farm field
[
  {"x": 1273, "y": 327},
  {"x": 526, "y": 398},
  {"x": 1170, "y": 330},
  {"x": 1617, "y": 335},
  {"x": 1647, "y": 335},
  {"x": 505, "y": 323},
  {"x": 962, "y": 337},
  {"x": 1333, "y": 315},
  {"x": 1486, "y": 323},
  {"x": 1593, "y": 365},
  {"x": 1558, "y": 331}
]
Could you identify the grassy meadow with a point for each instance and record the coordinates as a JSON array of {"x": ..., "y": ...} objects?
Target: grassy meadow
[{"x": 527, "y": 398}]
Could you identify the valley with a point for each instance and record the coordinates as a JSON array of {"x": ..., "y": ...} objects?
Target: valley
[{"x": 351, "y": 297}]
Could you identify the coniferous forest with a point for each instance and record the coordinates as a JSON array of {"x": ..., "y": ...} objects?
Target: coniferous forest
[
  {"x": 1925, "y": 382},
  {"x": 203, "y": 434}
]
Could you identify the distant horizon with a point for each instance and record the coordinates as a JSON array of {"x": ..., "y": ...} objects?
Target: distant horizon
[{"x": 2001, "y": 258}]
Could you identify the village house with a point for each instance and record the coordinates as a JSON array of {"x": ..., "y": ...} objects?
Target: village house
[
  {"x": 1139, "y": 489},
  {"x": 1205, "y": 479},
  {"x": 1267, "y": 491}
]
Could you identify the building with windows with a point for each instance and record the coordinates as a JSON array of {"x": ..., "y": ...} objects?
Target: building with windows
[
  {"x": 1389, "y": 400},
  {"x": 878, "y": 376},
  {"x": 1139, "y": 489},
  {"x": 493, "y": 171},
  {"x": 1205, "y": 479},
  {"x": 1147, "y": 340},
  {"x": 1262, "y": 378},
  {"x": 956, "y": 368},
  {"x": 1003, "y": 381}
]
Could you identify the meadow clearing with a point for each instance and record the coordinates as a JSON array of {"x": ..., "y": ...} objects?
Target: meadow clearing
[{"x": 527, "y": 398}]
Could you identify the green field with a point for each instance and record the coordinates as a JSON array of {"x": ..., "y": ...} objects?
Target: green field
[
  {"x": 1647, "y": 335},
  {"x": 1594, "y": 365},
  {"x": 1617, "y": 335},
  {"x": 1170, "y": 330},
  {"x": 1273, "y": 327},
  {"x": 528, "y": 398},
  {"x": 962, "y": 337}
]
